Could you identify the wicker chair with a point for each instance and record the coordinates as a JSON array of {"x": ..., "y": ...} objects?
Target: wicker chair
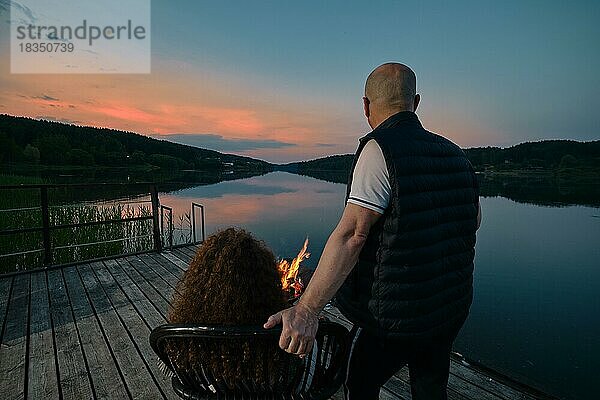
[{"x": 318, "y": 376}]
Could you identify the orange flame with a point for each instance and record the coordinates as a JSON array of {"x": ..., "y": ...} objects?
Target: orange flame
[{"x": 289, "y": 271}]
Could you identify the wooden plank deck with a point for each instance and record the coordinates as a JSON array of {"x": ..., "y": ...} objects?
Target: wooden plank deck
[{"x": 81, "y": 332}]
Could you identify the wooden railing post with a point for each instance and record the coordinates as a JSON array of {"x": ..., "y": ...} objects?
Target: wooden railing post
[
  {"x": 46, "y": 226},
  {"x": 155, "y": 218}
]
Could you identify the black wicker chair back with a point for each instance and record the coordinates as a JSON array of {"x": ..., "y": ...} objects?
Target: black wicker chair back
[{"x": 318, "y": 376}]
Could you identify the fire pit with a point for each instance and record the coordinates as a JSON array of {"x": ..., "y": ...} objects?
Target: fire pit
[{"x": 294, "y": 276}]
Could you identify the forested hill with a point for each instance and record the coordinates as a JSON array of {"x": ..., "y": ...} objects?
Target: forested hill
[
  {"x": 547, "y": 155},
  {"x": 26, "y": 140}
]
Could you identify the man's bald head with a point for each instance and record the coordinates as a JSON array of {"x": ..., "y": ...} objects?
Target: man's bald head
[{"x": 392, "y": 87}]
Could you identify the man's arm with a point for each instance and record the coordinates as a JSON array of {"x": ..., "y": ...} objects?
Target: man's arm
[{"x": 339, "y": 257}]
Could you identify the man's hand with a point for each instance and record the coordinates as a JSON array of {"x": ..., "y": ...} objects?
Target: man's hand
[{"x": 299, "y": 329}]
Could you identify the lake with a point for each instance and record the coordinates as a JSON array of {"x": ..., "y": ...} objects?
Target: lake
[{"x": 535, "y": 315}]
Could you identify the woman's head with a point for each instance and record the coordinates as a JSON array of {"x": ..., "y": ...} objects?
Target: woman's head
[{"x": 232, "y": 280}]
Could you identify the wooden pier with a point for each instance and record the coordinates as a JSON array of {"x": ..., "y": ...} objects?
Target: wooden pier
[{"x": 81, "y": 332}]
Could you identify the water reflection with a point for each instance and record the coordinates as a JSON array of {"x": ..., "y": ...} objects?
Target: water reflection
[
  {"x": 535, "y": 314},
  {"x": 280, "y": 208},
  {"x": 541, "y": 189}
]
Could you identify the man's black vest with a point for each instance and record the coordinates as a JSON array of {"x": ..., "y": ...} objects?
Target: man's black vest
[{"x": 414, "y": 277}]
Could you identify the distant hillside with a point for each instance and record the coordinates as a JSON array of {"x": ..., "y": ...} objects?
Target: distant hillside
[
  {"x": 26, "y": 140},
  {"x": 545, "y": 154},
  {"x": 567, "y": 157}
]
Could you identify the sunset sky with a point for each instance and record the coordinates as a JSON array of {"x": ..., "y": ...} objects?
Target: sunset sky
[{"x": 283, "y": 81}]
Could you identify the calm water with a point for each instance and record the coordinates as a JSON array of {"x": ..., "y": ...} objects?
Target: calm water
[{"x": 536, "y": 313}]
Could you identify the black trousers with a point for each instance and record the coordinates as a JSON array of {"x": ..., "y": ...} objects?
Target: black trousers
[{"x": 373, "y": 361}]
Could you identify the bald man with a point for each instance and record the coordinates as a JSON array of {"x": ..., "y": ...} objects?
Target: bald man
[{"x": 401, "y": 256}]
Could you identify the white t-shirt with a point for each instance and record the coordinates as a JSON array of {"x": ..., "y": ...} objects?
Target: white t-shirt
[{"x": 370, "y": 180}]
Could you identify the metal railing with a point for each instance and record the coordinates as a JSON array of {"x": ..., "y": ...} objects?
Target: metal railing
[
  {"x": 201, "y": 207},
  {"x": 161, "y": 232},
  {"x": 47, "y": 228},
  {"x": 162, "y": 223}
]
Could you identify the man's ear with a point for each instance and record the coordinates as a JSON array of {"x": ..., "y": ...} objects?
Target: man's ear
[
  {"x": 417, "y": 100},
  {"x": 366, "y": 107}
]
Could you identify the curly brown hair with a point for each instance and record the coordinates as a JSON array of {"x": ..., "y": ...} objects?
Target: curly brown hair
[{"x": 232, "y": 280}]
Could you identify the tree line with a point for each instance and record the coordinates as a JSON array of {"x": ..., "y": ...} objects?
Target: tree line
[
  {"x": 548, "y": 155},
  {"x": 27, "y": 140}
]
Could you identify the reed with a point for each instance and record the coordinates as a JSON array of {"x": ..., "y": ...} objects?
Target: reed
[{"x": 19, "y": 210}]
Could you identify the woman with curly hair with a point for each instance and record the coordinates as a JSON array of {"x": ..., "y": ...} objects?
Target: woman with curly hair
[{"x": 232, "y": 280}]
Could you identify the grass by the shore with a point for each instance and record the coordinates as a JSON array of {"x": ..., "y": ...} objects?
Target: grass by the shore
[{"x": 19, "y": 209}]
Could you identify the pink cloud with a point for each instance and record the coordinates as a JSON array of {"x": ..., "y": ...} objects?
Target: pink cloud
[{"x": 176, "y": 99}]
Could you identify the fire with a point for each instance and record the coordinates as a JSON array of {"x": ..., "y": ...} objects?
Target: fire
[{"x": 289, "y": 271}]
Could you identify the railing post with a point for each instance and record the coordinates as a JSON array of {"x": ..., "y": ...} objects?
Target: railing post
[
  {"x": 155, "y": 218},
  {"x": 193, "y": 224},
  {"x": 162, "y": 223},
  {"x": 201, "y": 207},
  {"x": 203, "y": 233},
  {"x": 171, "y": 229},
  {"x": 46, "y": 226}
]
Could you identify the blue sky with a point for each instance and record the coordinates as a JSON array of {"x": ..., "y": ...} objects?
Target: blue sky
[
  {"x": 490, "y": 73},
  {"x": 529, "y": 69}
]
